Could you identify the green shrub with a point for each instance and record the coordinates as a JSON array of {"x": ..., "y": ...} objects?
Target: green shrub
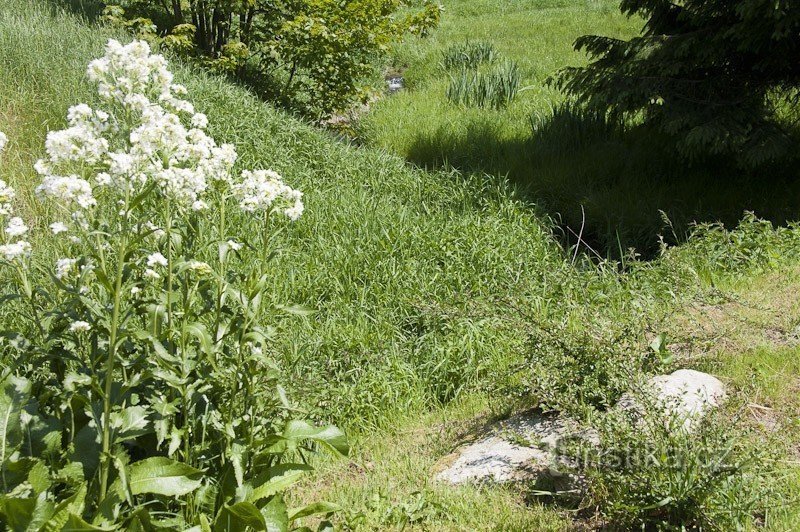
[
  {"x": 137, "y": 386},
  {"x": 649, "y": 473},
  {"x": 586, "y": 370},
  {"x": 468, "y": 55},
  {"x": 494, "y": 89}
]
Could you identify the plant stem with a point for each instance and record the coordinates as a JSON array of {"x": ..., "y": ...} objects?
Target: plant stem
[{"x": 110, "y": 361}]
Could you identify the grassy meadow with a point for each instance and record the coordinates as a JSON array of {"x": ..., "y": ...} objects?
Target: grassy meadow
[
  {"x": 444, "y": 293},
  {"x": 578, "y": 168}
]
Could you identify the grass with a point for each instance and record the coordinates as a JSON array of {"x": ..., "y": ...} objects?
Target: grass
[
  {"x": 494, "y": 88},
  {"x": 613, "y": 184},
  {"x": 387, "y": 483},
  {"x": 431, "y": 287}
]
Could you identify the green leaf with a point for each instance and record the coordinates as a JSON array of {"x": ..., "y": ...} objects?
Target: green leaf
[
  {"x": 129, "y": 422},
  {"x": 15, "y": 394},
  {"x": 39, "y": 478},
  {"x": 87, "y": 450},
  {"x": 163, "y": 476},
  {"x": 321, "y": 507},
  {"x": 199, "y": 331},
  {"x": 17, "y": 513},
  {"x": 330, "y": 437},
  {"x": 275, "y": 515},
  {"x": 278, "y": 479},
  {"x": 76, "y": 524},
  {"x": 43, "y": 436},
  {"x": 238, "y": 517},
  {"x": 71, "y": 506},
  {"x": 236, "y": 456}
]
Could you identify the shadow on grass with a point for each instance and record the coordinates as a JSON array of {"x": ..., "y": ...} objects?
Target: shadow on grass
[{"x": 611, "y": 182}]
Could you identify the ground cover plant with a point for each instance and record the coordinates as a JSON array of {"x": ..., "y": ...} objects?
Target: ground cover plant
[{"x": 406, "y": 307}]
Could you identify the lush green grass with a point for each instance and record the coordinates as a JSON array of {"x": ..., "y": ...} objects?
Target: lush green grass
[
  {"x": 431, "y": 288},
  {"x": 583, "y": 173}
]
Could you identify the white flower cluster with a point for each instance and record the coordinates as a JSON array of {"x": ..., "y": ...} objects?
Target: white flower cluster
[
  {"x": 263, "y": 190},
  {"x": 12, "y": 248},
  {"x": 142, "y": 138}
]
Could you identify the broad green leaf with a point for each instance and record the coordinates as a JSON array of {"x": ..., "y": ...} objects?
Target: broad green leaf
[
  {"x": 313, "y": 509},
  {"x": 76, "y": 524},
  {"x": 13, "y": 398},
  {"x": 17, "y": 513},
  {"x": 329, "y": 436},
  {"x": 236, "y": 456},
  {"x": 129, "y": 422},
  {"x": 140, "y": 521},
  {"x": 43, "y": 436},
  {"x": 72, "y": 506},
  {"x": 39, "y": 477},
  {"x": 239, "y": 517},
  {"x": 275, "y": 515},
  {"x": 87, "y": 450},
  {"x": 277, "y": 479},
  {"x": 199, "y": 331},
  {"x": 163, "y": 476}
]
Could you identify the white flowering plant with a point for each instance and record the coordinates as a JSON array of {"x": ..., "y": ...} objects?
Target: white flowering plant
[{"x": 142, "y": 395}]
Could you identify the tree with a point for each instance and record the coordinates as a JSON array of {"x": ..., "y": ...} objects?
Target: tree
[
  {"x": 321, "y": 48},
  {"x": 719, "y": 76}
]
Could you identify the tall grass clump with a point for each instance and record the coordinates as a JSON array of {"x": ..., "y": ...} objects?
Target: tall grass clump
[
  {"x": 493, "y": 89},
  {"x": 137, "y": 388},
  {"x": 468, "y": 55}
]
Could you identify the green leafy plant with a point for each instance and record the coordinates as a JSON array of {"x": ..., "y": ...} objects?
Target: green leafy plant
[
  {"x": 141, "y": 394},
  {"x": 701, "y": 71}
]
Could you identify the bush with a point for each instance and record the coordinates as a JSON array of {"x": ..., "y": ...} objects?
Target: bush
[
  {"x": 312, "y": 55},
  {"x": 493, "y": 89},
  {"x": 585, "y": 371},
  {"x": 137, "y": 386}
]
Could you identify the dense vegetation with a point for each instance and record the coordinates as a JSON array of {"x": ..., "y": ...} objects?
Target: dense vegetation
[
  {"x": 440, "y": 299},
  {"x": 312, "y": 55}
]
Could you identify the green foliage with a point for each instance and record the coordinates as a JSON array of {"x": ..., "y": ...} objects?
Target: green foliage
[
  {"x": 581, "y": 372},
  {"x": 494, "y": 88},
  {"x": 468, "y": 55},
  {"x": 712, "y": 75},
  {"x": 650, "y": 473},
  {"x": 313, "y": 55}
]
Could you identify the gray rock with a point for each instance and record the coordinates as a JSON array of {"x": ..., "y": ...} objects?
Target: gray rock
[
  {"x": 686, "y": 395},
  {"x": 521, "y": 448}
]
